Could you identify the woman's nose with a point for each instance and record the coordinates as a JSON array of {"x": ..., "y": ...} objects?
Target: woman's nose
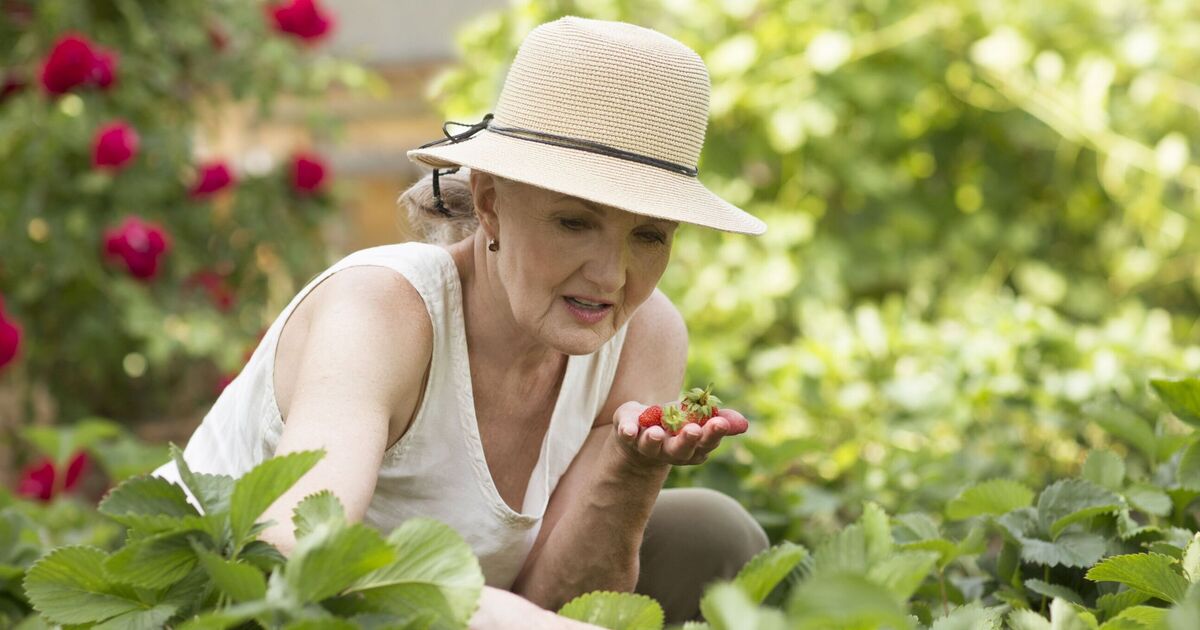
[{"x": 606, "y": 268}]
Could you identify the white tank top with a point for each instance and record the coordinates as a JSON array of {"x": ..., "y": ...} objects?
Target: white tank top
[{"x": 437, "y": 468}]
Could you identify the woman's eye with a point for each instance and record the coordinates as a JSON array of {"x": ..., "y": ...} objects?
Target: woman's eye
[
  {"x": 572, "y": 224},
  {"x": 653, "y": 237}
]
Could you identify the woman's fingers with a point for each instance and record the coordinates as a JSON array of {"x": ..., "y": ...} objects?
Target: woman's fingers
[{"x": 737, "y": 422}]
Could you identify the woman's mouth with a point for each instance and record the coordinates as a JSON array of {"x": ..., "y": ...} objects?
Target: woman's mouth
[{"x": 587, "y": 311}]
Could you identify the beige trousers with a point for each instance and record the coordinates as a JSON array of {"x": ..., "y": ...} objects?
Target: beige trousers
[{"x": 694, "y": 536}]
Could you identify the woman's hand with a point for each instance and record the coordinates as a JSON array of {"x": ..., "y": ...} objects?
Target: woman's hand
[{"x": 653, "y": 446}]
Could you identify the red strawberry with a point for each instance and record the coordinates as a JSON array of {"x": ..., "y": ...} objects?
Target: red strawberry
[
  {"x": 673, "y": 420},
  {"x": 651, "y": 417}
]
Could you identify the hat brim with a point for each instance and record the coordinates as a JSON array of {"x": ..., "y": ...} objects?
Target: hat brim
[{"x": 631, "y": 186}]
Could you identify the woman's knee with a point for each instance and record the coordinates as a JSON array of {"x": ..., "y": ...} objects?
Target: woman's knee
[{"x": 705, "y": 525}]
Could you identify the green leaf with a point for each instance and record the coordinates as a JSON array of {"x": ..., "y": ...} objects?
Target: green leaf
[
  {"x": 1191, "y": 560},
  {"x": 241, "y": 582},
  {"x": 617, "y": 611},
  {"x": 1111, "y": 604},
  {"x": 946, "y": 550},
  {"x": 1145, "y": 616},
  {"x": 1134, "y": 430},
  {"x": 726, "y": 607},
  {"x": 1105, "y": 469},
  {"x": 877, "y": 533},
  {"x": 843, "y": 601},
  {"x": 1188, "y": 475},
  {"x": 765, "y": 570},
  {"x": 1071, "y": 500},
  {"x": 321, "y": 507},
  {"x": 152, "y": 619},
  {"x": 1186, "y": 614},
  {"x": 68, "y": 587},
  {"x": 259, "y": 488},
  {"x": 212, "y": 492},
  {"x": 1050, "y": 591},
  {"x": 228, "y": 617},
  {"x": 435, "y": 570},
  {"x": 149, "y": 503},
  {"x": 1069, "y": 550},
  {"x": 1151, "y": 573},
  {"x": 153, "y": 562},
  {"x": 973, "y": 616},
  {"x": 1066, "y": 616},
  {"x": 916, "y": 526},
  {"x": 903, "y": 572},
  {"x": 994, "y": 497},
  {"x": 1027, "y": 620},
  {"x": 331, "y": 558},
  {"x": 1182, "y": 397},
  {"x": 1148, "y": 499},
  {"x": 843, "y": 552}
]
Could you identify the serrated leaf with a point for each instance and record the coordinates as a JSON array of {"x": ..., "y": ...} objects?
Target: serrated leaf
[
  {"x": 435, "y": 570},
  {"x": 1191, "y": 560},
  {"x": 321, "y": 507},
  {"x": 1145, "y": 616},
  {"x": 1182, "y": 397},
  {"x": 146, "y": 496},
  {"x": 1111, "y": 604},
  {"x": 153, "y": 562},
  {"x": 68, "y": 587},
  {"x": 239, "y": 581},
  {"x": 1188, "y": 474},
  {"x": 844, "y": 601},
  {"x": 152, "y": 619},
  {"x": 1151, "y": 573},
  {"x": 1050, "y": 591},
  {"x": 916, "y": 526},
  {"x": 946, "y": 550},
  {"x": 1149, "y": 499},
  {"x": 1027, "y": 620},
  {"x": 1105, "y": 469},
  {"x": 255, "y": 491},
  {"x": 994, "y": 497},
  {"x": 766, "y": 569},
  {"x": 333, "y": 557},
  {"x": 262, "y": 555},
  {"x": 843, "y": 552},
  {"x": 1068, "y": 501},
  {"x": 973, "y": 616},
  {"x": 227, "y": 617},
  {"x": 1069, "y": 550},
  {"x": 212, "y": 492},
  {"x": 902, "y": 573},
  {"x": 1066, "y": 616},
  {"x": 877, "y": 533},
  {"x": 726, "y": 607},
  {"x": 616, "y": 611}
]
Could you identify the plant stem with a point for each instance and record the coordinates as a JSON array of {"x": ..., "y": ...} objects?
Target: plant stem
[{"x": 942, "y": 584}]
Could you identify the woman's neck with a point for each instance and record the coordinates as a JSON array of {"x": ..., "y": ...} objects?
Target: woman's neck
[{"x": 495, "y": 342}]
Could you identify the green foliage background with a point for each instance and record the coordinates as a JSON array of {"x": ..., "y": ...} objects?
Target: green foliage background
[{"x": 982, "y": 223}]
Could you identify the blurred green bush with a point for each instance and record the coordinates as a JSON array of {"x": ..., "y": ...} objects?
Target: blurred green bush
[{"x": 982, "y": 217}]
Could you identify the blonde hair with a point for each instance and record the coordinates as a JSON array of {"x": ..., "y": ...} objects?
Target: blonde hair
[{"x": 429, "y": 223}]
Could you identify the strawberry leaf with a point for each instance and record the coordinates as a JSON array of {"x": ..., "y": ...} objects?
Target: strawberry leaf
[
  {"x": 973, "y": 616},
  {"x": 69, "y": 586},
  {"x": 1182, "y": 397},
  {"x": 240, "y": 581},
  {"x": 1105, "y": 469},
  {"x": 1069, "y": 501},
  {"x": 259, "y": 488},
  {"x": 619, "y": 611},
  {"x": 767, "y": 569},
  {"x": 332, "y": 557},
  {"x": 1151, "y": 573},
  {"x": 153, "y": 562},
  {"x": 903, "y": 573},
  {"x": 994, "y": 497},
  {"x": 321, "y": 507}
]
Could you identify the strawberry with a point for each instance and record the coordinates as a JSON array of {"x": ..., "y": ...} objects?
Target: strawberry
[
  {"x": 651, "y": 417},
  {"x": 673, "y": 419},
  {"x": 699, "y": 405}
]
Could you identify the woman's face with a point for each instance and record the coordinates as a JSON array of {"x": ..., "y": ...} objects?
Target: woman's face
[{"x": 574, "y": 271}]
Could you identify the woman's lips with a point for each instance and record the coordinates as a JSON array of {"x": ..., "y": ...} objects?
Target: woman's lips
[{"x": 585, "y": 314}]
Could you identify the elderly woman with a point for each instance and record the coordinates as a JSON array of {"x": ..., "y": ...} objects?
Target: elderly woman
[{"x": 494, "y": 382}]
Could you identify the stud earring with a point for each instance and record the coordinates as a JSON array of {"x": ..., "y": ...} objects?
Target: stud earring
[{"x": 493, "y": 245}]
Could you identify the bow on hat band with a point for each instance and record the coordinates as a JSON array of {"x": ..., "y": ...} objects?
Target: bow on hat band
[{"x": 543, "y": 138}]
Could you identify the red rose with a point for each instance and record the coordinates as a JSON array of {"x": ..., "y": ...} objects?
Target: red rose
[
  {"x": 223, "y": 381},
  {"x": 73, "y": 62},
  {"x": 104, "y": 68},
  {"x": 139, "y": 245},
  {"x": 211, "y": 177},
  {"x": 115, "y": 145},
  {"x": 308, "y": 173},
  {"x": 69, "y": 65},
  {"x": 38, "y": 480},
  {"x": 302, "y": 19},
  {"x": 10, "y": 338}
]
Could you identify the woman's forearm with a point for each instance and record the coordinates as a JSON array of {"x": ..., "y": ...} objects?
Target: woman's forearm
[{"x": 595, "y": 544}]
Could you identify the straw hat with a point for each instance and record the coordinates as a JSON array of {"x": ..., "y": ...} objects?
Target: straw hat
[{"x": 604, "y": 111}]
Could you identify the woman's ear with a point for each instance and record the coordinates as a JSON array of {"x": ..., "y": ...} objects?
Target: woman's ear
[{"x": 483, "y": 195}]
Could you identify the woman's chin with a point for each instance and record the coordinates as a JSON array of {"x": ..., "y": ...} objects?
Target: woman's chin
[{"x": 581, "y": 341}]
